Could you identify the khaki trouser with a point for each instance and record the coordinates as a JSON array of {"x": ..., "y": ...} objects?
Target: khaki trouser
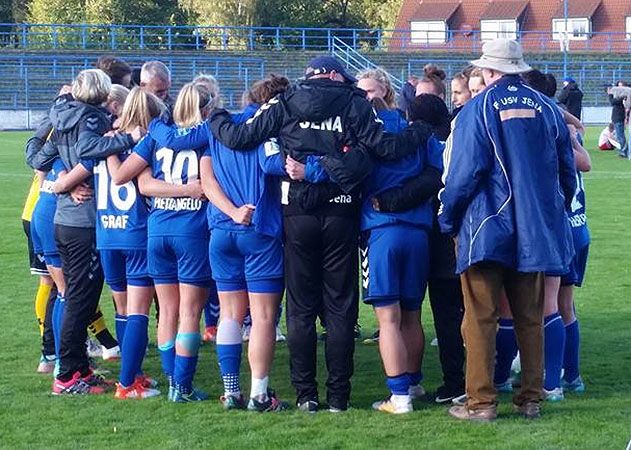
[{"x": 482, "y": 286}]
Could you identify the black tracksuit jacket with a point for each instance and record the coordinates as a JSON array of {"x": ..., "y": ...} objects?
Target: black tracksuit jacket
[{"x": 328, "y": 119}]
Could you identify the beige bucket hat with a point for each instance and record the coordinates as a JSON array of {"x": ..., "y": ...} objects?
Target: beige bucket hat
[{"x": 503, "y": 55}]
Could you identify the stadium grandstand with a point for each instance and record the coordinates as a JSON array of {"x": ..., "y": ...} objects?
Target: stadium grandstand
[{"x": 37, "y": 58}]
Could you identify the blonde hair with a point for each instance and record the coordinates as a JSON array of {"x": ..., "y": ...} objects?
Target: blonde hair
[
  {"x": 210, "y": 83},
  {"x": 193, "y": 100},
  {"x": 118, "y": 93},
  {"x": 91, "y": 86},
  {"x": 382, "y": 77},
  {"x": 140, "y": 108}
]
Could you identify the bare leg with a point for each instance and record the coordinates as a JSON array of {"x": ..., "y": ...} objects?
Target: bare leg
[
  {"x": 391, "y": 342},
  {"x": 263, "y": 309}
]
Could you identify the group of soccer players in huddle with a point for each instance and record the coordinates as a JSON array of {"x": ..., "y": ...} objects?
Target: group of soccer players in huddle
[{"x": 144, "y": 195}]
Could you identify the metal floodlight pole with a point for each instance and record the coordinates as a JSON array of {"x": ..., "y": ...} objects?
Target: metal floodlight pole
[{"x": 566, "y": 39}]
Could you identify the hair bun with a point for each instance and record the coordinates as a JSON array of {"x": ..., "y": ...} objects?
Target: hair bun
[{"x": 433, "y": 71}]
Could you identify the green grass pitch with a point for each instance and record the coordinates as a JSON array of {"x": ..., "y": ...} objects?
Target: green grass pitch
[{"x": 601, "y": 418}]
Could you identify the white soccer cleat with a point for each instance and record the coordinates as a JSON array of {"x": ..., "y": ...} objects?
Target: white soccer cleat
[
  {"x": 111, "y": 354},
  {"x": 401, "y": 405}
]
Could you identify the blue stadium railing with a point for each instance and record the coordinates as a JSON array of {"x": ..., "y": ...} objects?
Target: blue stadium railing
[
  {"x": 29, "y": 81},
  {"x": 114, "y": 37}
]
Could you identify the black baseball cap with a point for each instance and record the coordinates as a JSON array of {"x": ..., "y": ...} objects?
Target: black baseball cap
[{"x": 327, "y": 64}]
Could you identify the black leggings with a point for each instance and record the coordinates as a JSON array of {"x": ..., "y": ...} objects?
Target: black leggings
[{"x": 84, "y": 282}]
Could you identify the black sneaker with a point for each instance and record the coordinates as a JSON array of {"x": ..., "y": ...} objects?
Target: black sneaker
[
  {"x": 444, "y": 395},
  {"x": 308, "y": 406},
  {"x": 358, "y": 332},
  {"x": 268, "y": 404}
]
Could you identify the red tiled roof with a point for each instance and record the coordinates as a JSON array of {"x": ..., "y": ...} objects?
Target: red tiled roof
[
  {"x": 500, "y": 9},
  {"x": 607, "y": 16},
  {"x": 435, "y": 10},
  {"x": 578, "y": 8}
]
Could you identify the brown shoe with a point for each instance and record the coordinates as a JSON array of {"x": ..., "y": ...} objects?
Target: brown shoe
[
  {"x": 530, "y": 410},
  {"x": 476, "y": 415}
]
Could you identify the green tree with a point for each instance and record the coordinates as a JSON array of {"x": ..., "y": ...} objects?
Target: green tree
[{"x": 56, "y": 11}]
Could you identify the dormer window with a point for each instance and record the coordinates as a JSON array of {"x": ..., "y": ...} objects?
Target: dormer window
[
  {"x": 494, "y": 29},
  {"x": 578, "y": 24},
  {"x": 428, "y": 32},
  {"x": 430, "y": 23},
  {"x": 502, "y": 19}
]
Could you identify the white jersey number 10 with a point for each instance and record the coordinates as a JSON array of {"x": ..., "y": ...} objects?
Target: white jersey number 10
[{"x": 174, "y": 169}]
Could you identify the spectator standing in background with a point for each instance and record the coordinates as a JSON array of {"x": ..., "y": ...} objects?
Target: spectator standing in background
[
  {"x": 408, "y": 92},
  {"x": 571, "y": 97},
  {"x": 618, "y": 117}
]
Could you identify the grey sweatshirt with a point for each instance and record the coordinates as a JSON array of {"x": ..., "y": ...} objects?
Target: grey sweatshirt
[{"x": 78, "y": 135}]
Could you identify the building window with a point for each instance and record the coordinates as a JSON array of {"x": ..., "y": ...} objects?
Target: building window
[
  {"x": 628, "y": 27},
  {"x": 428, "y": 32},
  {"x": 495, "y": 29},
  {"x": 577, "y": 29}
]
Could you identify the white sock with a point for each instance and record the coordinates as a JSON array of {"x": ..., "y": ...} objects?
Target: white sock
[
  {"x": 400, "y": 401},
  {"x": 259, "y": 387}
]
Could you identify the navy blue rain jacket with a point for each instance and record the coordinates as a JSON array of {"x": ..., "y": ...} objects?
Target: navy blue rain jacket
[{"x": 509, "y": 180}]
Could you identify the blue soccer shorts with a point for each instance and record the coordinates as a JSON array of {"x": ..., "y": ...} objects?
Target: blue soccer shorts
[
  {"x": 125, "y": 267},
  {"x": 179, "y": 259},
  {"x": 246, "y": 260},
  {"x": 395, "y": 266},
  {"x": 43, "y": 238},
  {"x": 576, "y": 274}
]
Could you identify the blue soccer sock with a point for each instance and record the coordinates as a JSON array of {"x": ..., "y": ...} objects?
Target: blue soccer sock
[
  {"x": 121, "y": 324},
  {"x": 229, "y": 343},
  {"x": 506, "y": 350},
  {"x": 133, "y": 348},
  {"x": 167, "y": 357},
  {"x": 58, "y": 320},
  {"x": 399, "y": 385},
  {"x": 415, "y": 378},
  {"x": 55, "y": 325},
  {"x": 571, "y": 355},
  {"x": 185, "y": 365},
  {"x": 211, "y": 310},
  {"x": 554, "y": 343}
]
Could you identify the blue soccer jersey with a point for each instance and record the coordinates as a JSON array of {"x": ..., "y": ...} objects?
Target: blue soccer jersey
[
  {"x": 392, "y": 174},
  {"x": 577, "y": 217},
  {"x": 182, "y": 216},
  {"x": 247, "y": 177},
  {"x": 121, "y": 211}
]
